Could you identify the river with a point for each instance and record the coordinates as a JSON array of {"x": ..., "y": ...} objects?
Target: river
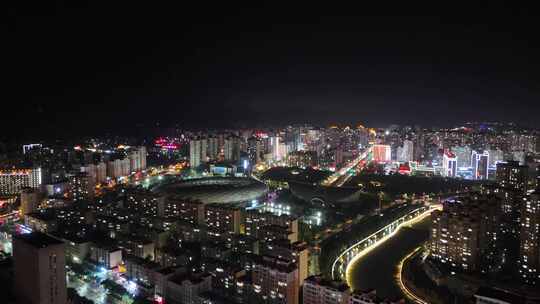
[{"x": 377, "y": 269}]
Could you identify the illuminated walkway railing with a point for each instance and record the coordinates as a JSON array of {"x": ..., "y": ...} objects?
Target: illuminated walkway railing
[{"x": 341, "y": 264}]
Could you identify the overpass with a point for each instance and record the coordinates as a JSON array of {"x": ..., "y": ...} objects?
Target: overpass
[
  {"x": 341, "y": 176},
  {"x": 341, "y": 264}
]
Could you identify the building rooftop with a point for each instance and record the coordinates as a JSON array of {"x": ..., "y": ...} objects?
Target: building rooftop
[
  {"x": 337, "y": 285},
  {"x": 192, "y": 277},
  {"x": 38, "y": 239},
  {"x": 215, "y": 190}
]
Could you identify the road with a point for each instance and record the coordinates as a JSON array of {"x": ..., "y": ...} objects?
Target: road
[{"x": 340, "y": 177}]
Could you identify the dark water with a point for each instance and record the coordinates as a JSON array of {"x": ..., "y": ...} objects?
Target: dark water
[{"x": 377, "y": 269}]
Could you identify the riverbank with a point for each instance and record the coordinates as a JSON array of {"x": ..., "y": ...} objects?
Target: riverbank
[
  {"x": 406, "y": 287},
  {"x": 419, "y": 287},
  {"x": 377, "y": 269}
]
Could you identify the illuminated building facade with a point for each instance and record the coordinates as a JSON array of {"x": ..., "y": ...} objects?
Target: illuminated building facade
[
  {"x": 135, "y": 160},
  {"x": 101, "y": 173},
  {"x": 254, "y": 149},
  {"x": 114, "y": 168},
  {"x": 125, "y": 167},
  {"x": 275, "y": 148},
  {"x": 529, "y": 262},
  {"x": 405, "y": 152},
  {"x": 276, "y": 281},
  {"x": 212, "y": 148},
  {"x": 449, "y": 164},
  {"x": 186, "y": 210},
  {"x": 495, "y": 156},
  {"x": 91, "y": 171},
  {"x": 145, "y": 203},
  {"x": 464, "y": 234},
  {"x": 30, "y": 147},
  {"x": 29, "y": 201},
  {"x": 302, "y": 159},
  {"x": 222, "y": 218},
  {"x": 256, "y": 220},
  {"x": 231, "y": 149},
  {"x": 197, "y": 152},
  {"x": 81, "y": 187},
  {"x": 12, "y": 181},
  {"x": 463, "y": 156},
  {"x": 142, "y": 156},
  {"x": 382, "y": 153},
  {"x": 512, "y": 175},
  {"x": 480, "y": 165}
]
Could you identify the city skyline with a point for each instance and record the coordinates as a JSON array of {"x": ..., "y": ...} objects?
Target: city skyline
[{"x": 278, "y": 215}]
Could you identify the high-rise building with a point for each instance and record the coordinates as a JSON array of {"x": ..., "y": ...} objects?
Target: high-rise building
[
  {"x": 405, "y": 152},
  {"x": 449, "y": 164},
  {"x": 303, "y": 159},
  {"x": 275, "y": 280},
  {"x": 463, "y": 156},
  {"x": 101, "y": 173},
  {"x": 12, "y": 181},
  {"x": 255, "y": 221},
  {"x": 194, "y": 153},
  {"x": 338, "y": 156},
  {"x": 80, "y": 187},
  {"x": 464, "y": 233},
  {"x": 197, "y": 152},
  {"x": 142, "y": 157},
  {"x": 274, "y": 146},
  {"x": 419, "y": 144},
  {"x": 91, "y": 171},
  {"x": 29, "y": 147},
  {"x": 186, "y": 210},
  {"x": 523, "y": 142},
  {"x": 134, "y": 160},
  {"x": 518, "y": 156},
  {"x": 29, "y": 201},
  {"x": 512, "y": 175},
  {"x": 125, "y": 167},
  {"x": 254, "y": 150},
  {"x": 295, "y": 252},
  {"x": 40, "y": 269},
  {"x": 529, "y": 260},
  {"x": 213, "y": 148},
  {"x": 231, "y": 149},
  {"x": 480, "y": 164},
  {"x": 317, "y": 290},
  {"x": 495, "y": 156},
  {"x": 382, "y": 153},
  {"x": 114, "y": 168},
  {"x": 222, "y": 218}
]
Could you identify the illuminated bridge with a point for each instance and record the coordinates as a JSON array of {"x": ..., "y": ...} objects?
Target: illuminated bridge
[
  {"x": 342, "y": 175},
  {"x": 340, "y": 266}
]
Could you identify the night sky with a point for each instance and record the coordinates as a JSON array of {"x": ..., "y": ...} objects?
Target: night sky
[{"x": 95, "y": 67}]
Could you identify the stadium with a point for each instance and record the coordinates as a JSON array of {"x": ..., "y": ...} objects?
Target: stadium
[{"x": 212, "y": 190}]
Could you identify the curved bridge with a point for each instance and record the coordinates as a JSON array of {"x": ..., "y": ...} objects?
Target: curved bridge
[{"x": 361, "y": 248}]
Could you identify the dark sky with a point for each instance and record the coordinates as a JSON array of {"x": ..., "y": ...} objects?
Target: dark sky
[{"x": 95, "y": 67}]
